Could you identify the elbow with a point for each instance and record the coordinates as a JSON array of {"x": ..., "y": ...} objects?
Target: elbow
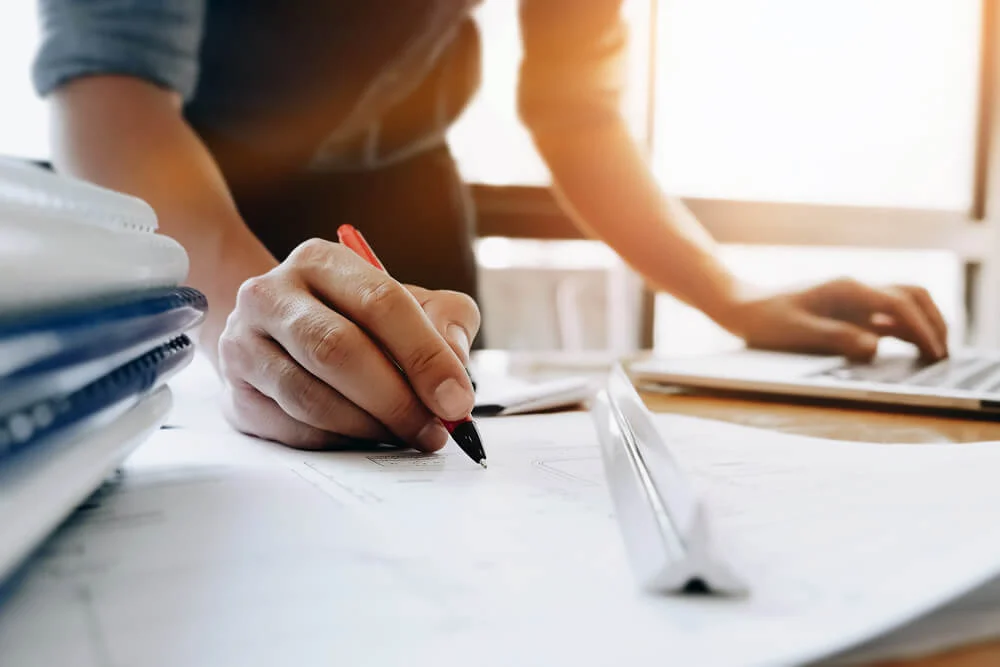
[
  {"x": 560, "y": 103},
  {"x": 558, "y": 121}
]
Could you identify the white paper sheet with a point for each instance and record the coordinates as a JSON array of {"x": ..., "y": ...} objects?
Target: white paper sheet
[
  {"x": 973, "y": 618},
  {"x": 222, "y": 550},
  {"x": 505, "y": 395},
  {"x": 198, "y": 390}
]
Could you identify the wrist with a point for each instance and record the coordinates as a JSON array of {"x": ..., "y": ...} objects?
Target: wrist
[
  {"x": 730, "y": 305},
  {"x": 219, "y": 266}
]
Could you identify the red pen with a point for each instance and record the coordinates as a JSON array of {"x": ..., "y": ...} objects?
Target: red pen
[{"x": 464, "y": 432}]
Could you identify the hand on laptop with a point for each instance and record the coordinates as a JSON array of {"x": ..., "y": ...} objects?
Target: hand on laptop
[
  {"x": 843, "y": 317},
  {"x": 305, "y": 355}
]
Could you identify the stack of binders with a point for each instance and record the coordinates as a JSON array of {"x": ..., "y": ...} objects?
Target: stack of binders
[{"x": 92, "y": 324}]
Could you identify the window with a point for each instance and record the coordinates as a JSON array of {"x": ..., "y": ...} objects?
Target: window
[
  {"x": 490, "y": 144},
  {"x": 862, "y": 102},
  {"x": 23, "y": 117},
  {"x": 833, "y": 103}
]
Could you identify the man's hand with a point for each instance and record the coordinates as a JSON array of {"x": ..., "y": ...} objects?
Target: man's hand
[
  {"x": 309, "y": 355},
  {"x": 842, "y": 317}
]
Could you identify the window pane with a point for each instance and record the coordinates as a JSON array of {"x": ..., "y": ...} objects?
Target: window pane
[
  {"x": 867, "y": 102},
  {"x": 23, "y": 124},
  {"x": 489, "y": 142}
]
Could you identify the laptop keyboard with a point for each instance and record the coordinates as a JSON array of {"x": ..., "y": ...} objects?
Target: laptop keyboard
[{"x": 979, "y": 374}]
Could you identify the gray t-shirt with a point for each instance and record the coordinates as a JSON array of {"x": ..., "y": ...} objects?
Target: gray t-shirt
[{"x": 336, "y": 84}]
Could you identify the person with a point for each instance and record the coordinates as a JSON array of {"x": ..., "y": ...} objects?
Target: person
[{"x": 254, "y": 128}]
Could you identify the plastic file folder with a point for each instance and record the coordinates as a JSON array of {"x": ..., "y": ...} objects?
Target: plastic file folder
[
  {"x": 41, "y": 487},
  {"x": 31, "y": 425},
  {"x": 63, "y": 240},
  {"x": 60, "y": 350}
]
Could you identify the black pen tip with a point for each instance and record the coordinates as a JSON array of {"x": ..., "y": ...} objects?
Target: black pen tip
[{"x": 466, "y": 436}]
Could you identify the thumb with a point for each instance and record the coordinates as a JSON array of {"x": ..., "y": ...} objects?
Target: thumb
[{"x": 829, "y": 336}]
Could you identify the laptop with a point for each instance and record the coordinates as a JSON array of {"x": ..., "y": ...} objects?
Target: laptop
[{"x": 967, "y": 381}]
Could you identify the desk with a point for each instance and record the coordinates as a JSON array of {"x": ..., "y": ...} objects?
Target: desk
[{"x": 826, "y": 421}]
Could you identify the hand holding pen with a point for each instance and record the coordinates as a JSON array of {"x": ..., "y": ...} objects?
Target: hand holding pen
[
  {"x": 463, "y": 430},
  {"x": 311, "y": 354}
]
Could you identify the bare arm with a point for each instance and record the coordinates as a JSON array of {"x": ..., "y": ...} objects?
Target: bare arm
[
  {"x": 295, "y": 343},
  {"x": 129, "y": 135},
  {"x": 604, "y": 182},
  {"x": 570, "y": 98}
]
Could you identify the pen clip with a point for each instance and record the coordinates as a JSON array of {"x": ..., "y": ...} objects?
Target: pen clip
[{"x": 352, "y": 238}]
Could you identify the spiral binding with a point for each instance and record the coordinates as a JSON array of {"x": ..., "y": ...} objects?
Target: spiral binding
[{"x": 32, "y": 423}]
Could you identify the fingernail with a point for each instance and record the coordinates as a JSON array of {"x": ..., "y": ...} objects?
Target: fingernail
[
  {"x": 459, "y": 338},
  {"x": 432, "y": 436},
  {"x": 453, "y": 400}
]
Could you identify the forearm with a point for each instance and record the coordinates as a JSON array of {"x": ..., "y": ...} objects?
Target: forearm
[
  {"x": 129, "y": 136},
  {"x": 606, "y": 186}
]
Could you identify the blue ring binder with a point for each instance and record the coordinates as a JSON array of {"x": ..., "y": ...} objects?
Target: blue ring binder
[{"x": 32, "y": 424}]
